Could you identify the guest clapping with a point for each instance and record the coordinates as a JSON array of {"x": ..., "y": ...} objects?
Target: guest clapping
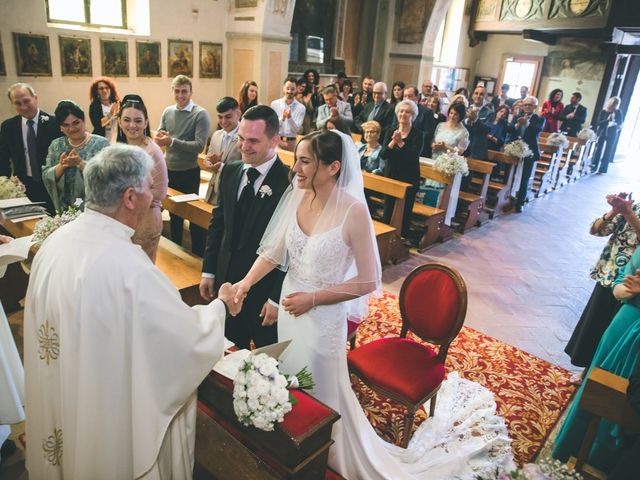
[
  {"x": 370, "y": 148},
  {"x": 552, "y": 111},
  {"x": 431, "y": 119},
  {"x": 68, "y": 155},
  {"x": 133, "y": 123},
  {"x": 401, "y": 150},
  {"x": 103, "y": 110},
  {"x": 609, "y": 124},
  {"x": 498, "y": 133}
]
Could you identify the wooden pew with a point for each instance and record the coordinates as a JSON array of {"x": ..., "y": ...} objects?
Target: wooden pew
[
  {"x": 182, "y": 267},
  {"x": 604, "y": 396},
  {"x": 471, "y": 211},
  {"x": 196, "y": 211},
  {"x": 547, "y": 168},
  {"x": 432, "y": 218},
  {"x": 564, "y": 162},
  {"x": 498, "y": 197}
]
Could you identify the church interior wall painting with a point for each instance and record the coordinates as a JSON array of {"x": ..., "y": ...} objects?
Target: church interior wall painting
[
  {"x": 574, "y": 59},
  {"x": 3, "y": 67},
  {"x": 75, "y": 56},
  {"x": 210, "y": 60},
  {"x": 412, "y": 16},
  {"x": 33, "y": 54},
  {"x": 148, "y": 59},
  {"x": 115, "y": 58},
  {"x": 180, "y": 58}
]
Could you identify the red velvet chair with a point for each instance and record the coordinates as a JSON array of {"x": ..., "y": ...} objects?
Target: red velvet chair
[{"x": 433, "y": 304}]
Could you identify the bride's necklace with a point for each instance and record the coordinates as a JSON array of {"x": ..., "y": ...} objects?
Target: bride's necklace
[{"x": 82, "y": 143}]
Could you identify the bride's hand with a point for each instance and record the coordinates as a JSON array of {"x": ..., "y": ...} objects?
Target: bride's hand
[
  {"x": 242, "y": 288},
  {"x": 298, "y": 303}
]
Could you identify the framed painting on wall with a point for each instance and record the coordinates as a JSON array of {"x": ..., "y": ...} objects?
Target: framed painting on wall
[
  {"x": 148, "y": 59},
  {"x": 210, "y": 60},
  {"x": 115, "y": 58},
  {"x": 33, "y": 55},
  {"x": 3, "y": 67},
  {"x": 75, "y": 56},
  {"x": 180, "y": 58}
]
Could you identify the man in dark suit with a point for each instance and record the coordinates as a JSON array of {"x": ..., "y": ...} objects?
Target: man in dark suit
[
  {"x": 526, "y": 126},
  {"x": 367, "y": 86},
  {"x": 379, "y": 110},
  {"x": 249, "y": 193},
  {"x": 25, "y": 140},
  {"x": 573, "y": 115},
  {"x": 480, "y": 117}
]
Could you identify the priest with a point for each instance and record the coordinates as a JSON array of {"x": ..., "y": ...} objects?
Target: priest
[{"x": 113, "y": 357}]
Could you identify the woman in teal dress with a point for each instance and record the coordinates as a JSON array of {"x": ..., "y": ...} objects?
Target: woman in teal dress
[
  {"x": 617, "y": 352},
  {"x": 62, "y": 175}
]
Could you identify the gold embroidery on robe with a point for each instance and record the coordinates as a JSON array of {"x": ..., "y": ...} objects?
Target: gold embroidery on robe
[
  {"x": 48, "y": 343},
  {"x": 52, "y": 447}
]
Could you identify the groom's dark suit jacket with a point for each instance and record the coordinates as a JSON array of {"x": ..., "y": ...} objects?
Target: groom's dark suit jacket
[
  {"x": 12, "y": 150},
  {"x": 229, "y": 258}
]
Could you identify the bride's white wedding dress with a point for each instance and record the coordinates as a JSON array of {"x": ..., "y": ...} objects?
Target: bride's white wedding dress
[{"x": 464, "y": 439}]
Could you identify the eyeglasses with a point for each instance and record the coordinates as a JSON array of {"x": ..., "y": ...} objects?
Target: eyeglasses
[
  {"x": 75, "y": 123},
  {"x": 378, "y": 93},
  {"x": 528, "y": 105}
]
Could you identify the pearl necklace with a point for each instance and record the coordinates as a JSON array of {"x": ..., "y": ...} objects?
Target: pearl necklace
[{"x": 82, "y": 143}]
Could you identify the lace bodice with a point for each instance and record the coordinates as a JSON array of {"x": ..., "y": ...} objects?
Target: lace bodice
[
  {"x": 319, "y": 260},
  {"x": 453, "y": 138}
]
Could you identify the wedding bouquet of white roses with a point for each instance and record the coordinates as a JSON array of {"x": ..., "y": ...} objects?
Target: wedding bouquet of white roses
[
  {"x": 11, "y": 187},
  {"x": 260, "y": 392},
  {"x": 450, "y": 163},
  {"x": 48, "y": 225},
  {"x": 518, "y": 148},
  {"x": 547, "y": 469},
  {"x": 587, "y": 134},
  {"x": 558, "y": 140}
]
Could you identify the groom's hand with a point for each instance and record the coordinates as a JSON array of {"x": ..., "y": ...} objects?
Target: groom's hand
[
  {"x": 206, "y": 289},
  {"x": 269, "y": 314}
]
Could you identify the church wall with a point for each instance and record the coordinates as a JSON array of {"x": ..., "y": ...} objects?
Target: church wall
[
  {"x": 486, "y": 59},
  {"x": 255, "y": 46}
]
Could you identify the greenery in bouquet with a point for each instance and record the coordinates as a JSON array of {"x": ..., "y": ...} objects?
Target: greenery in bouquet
[
  {"x": 450, "y": 163},
  {"x": 558, "y": 140},
  {"x": 261, "y": 396},
  {"x": 11, "y": 187},
  {"x": 547, "y": 469},
  {"x": 48, "y": 225},
  {"x": 518, "y": 148},
  {"x": 587, "y": 134}
]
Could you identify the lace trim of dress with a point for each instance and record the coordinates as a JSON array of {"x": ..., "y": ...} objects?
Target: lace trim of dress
[{"x": 320, "y": 260}]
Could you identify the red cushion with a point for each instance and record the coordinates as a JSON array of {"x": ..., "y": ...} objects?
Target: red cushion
[
  {"x": 431, "y": 302},
  {"x": 399, "y": 365},
  {"x": 351, "y": 327}
]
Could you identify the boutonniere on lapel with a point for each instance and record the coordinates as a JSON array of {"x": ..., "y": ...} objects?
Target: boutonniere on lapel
[
  {"x": 44, "y": 118},
  {"x": 265, "y": 190}
]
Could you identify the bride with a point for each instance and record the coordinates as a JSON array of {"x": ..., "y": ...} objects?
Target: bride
[{"x": 322, "y": 235}]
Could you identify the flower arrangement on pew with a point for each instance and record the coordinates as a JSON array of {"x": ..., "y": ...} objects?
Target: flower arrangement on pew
[
  {"x": 518, "y": 149},
  {"x": 547, "y": 469},
  {"x": 450, "y": 163},
  {"x": 48, "y": 225},
  {"x": 587, "y": 134},
  {"x": 11, "y": 187},
  {"x": 260, "y": 392},
  {"x": 558, "y": 140}
]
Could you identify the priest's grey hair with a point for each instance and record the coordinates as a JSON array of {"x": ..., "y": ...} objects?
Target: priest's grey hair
[{"x": 111, "y": 172}]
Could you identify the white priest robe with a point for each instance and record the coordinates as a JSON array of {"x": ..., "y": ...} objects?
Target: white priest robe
[{"x": 112, "y": 359}]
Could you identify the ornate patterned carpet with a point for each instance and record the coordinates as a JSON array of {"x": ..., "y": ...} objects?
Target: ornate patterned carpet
[{"x": 530, "y": 393}]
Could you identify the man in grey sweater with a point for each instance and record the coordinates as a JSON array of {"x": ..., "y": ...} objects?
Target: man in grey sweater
[{"x": 183, "y": 131}]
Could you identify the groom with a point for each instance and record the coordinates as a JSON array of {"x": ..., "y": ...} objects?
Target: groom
[{"x": 249, "y": 193}]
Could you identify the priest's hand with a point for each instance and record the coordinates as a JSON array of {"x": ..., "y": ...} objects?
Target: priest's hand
[
  {"x": 206, "y": 289},
  {"x": 227, "y": 294},
  {"x": 269, "y": 314}
]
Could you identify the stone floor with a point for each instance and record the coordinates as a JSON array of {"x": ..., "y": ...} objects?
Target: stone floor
[{"x": 526, "y": 274}]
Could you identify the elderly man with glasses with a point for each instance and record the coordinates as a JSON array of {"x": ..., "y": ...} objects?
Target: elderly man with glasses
[
  {"x": 526, "y": 126},
  {"x": 379, "y": 110}
]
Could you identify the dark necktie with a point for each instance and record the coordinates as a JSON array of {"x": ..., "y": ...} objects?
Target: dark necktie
[
  {"x": 245, "y": 200},
  {"x": 32, "y": 147}
]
